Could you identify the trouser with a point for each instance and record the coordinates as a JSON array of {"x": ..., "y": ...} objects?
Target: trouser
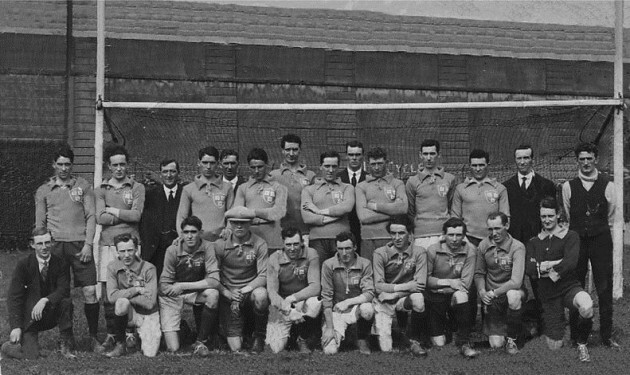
[
  {"x": 57, "y": 315},
  {"x": 598, "y": 249}
]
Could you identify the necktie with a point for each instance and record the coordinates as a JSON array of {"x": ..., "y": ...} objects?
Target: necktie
[
  {"x": 171, "y": 196},
  {"x": 44, "y": 271},
  {"x": 354, "y": 179},
  {"x": 523, "y": 186}
]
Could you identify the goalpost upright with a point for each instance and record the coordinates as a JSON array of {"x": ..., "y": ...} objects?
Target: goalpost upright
[{"x": 616, "y": 100}]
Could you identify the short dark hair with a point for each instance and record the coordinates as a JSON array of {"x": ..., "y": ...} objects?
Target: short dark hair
[
  {"x": 166, "y": 162},
  {"x": 64, "y": 151},
  {"x": 114, "y": 149},
  {"x": 329, "y": 154},
  {"x": 377, "y": 153},
  {"x": 479, "y": 154},
  {"x": 430, "y": 143},
  {"x": 191, "y": 220},
  {"x": 125, "y": 237},
  {"x": 494, "y": 215},
  {"x": 400, "y": 220},
  {"x": 345, "y": 236},
  {"x": 549, "y": 202},
  {"x": 258, "y": 154},
  {"x": 290, "y": 232},
  {"x": 525, "y": 147},
  {"x": 210, "y": 151},
  {"x": 228, "y": 152},
  {"x": 39, "y": 231},
  {"x": 586, "y": 147},
  {"x": 454, "y": 222},
  {"x": 291, "y": 138},
  {"x": 354, "y": 144}
]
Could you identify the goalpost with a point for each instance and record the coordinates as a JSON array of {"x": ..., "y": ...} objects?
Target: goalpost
[{"x": 574, "y": 109}]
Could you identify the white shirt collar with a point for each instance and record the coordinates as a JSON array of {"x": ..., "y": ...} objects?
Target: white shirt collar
[
  {"x": 232, "y": 181},
  {"x": 528, "y": 177},
  {"x": 167, "y": 191},
  {"x": 356, "y": 173},
  {"x": 40, "y": 262}
]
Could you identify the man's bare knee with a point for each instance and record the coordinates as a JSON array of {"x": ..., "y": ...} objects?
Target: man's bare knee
[
  {"x": 460, "y": 297},
  {"x": 211, "y": 298},
  {"x": 122, "y": 306},
  {"x": 365, "y": 311},
  {"x": 515, "y": 298},
  {"x": 417, "y": 302},
  {"x": 584, "y": 303},
  {"x": 89, "y": 294},
  {"x": 260, "y": 298}
]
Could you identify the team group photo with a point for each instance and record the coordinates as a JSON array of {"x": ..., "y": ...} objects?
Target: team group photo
[{"x": 336, "y": 188}]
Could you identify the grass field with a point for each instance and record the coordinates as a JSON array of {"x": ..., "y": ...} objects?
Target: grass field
[{"x": 534, "y": 357}]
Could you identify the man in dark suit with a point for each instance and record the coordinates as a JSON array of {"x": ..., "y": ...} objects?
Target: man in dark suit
[
  {"x": 354, "y": 174},
  {"x": 229, "y": 166},
  {"x": 157, "y": 228},
  {"x": 38, "y": 300},
  {"x": 525, "y": 191}
]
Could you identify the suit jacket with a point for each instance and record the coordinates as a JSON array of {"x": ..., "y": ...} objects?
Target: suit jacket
[
  {"x": 156, "y": 217},
  {"x": 524, "y": 209},
  {"x": 240, "y": 180},
  {"x": 27, "y": 288},
  {"x": 355, "y": 224}
]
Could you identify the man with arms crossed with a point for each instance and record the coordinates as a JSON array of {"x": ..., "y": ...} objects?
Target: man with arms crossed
[
  {"x": 295, "y": 177},
  {"x": 551, "y": 259},
  {"x": 326, "y": 205},
  {"x": 429, "y": 193},
  {"x": 499, "y": 278},
  {"x": 400, "y": 275},
  {"x": 207, "y": 197},
  {"x": 347, "y": 293},
  {"x": 266, "y": 197},
  {"x": 378, "y": 198},
  {"x": 293, "y": 284},
  {"x": 65, "y": 206},
  {"x": 190, "y": 277}
]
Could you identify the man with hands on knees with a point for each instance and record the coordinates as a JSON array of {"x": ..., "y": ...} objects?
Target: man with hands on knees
[
  {"x": 400, "y": 274},
  {"x": 191, "y": 277},
  {"x": 293, "y": 284},
  {"x": 499, "y": 279},
  {"x": 132, "y": 289},
  {"x": 242, "y": 262},
  {"x": 347, "y": 293}
]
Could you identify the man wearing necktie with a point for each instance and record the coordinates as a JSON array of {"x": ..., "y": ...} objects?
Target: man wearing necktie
[
  {"x": 157, "y": 228},
  {"x": 354, "y": 174},
  {"x": 525, "y": 191},
  {"x": 39, "y": 300}
]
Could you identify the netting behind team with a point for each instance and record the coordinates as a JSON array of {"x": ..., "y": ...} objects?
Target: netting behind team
[{"x": 152, "y": 135}]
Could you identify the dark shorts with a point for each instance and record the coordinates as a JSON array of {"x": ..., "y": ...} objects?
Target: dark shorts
[
  {"x": 495, "y": 315},
  {"x": 440, "y": 313},
  {"x": 84, "y": 274},
  {"x": 232, "y": 323},
  {"x": 553, "y": 313},
  {"x": 368, "y": 246},
  {"x": 326, "y": 248}
]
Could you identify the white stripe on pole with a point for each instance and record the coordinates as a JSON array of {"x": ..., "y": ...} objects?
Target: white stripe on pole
[
  {"x": 618, "y": 223},
  {"x": 363, "y": 106}
]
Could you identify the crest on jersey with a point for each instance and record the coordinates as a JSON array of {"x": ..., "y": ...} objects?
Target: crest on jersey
[
  {"x": 505, "y": 263},
  {"x": 76, "y": 194},
  {"x": 250, "y": 257},
  {"x": 337, "y": 196},
  {"x": 128, "y": 197},
  {"x": 269, "y": 196},
  {"x": 492, "y": 196},
  {"x": 305, "y": 181},
  {"x": 300, "y": 272},
  {"x": 390, "y": 192},
  {"x": 355, "y": 280},
  {"x": 442, "y": 190},
  {"x": 409, "y": 265},
  {"x": 219, "y": 199}
]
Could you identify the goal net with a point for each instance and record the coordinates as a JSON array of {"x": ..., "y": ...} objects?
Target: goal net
[{"x": 151, "y": 135}]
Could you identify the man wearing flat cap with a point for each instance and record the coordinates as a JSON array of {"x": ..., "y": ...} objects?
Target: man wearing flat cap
[{"x": 242, "y": 262}]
